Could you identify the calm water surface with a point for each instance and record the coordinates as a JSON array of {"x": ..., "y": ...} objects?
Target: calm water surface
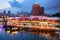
[{"x": 20, "y": 36}]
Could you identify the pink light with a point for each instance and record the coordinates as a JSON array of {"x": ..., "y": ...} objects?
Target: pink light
[{"x": 1, "y": 26}]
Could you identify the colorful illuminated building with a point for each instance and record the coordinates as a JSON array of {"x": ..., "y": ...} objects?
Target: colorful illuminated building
[{"x": 33, "y": 21}]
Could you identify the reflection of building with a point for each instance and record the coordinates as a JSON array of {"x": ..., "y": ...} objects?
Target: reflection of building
[
  {"x": 37, "y": 10},
  {"x": 13, "y": 30}
]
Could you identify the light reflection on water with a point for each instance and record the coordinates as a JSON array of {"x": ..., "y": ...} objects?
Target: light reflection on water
[{"x": 20, "y": 36}]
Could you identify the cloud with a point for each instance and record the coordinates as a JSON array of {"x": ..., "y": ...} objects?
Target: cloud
[
  {"x": 21, "y": 1},
  {"x": 51, "y": 4},
  {"x": 15, "y": 4},
  {"x": 4, "y": 4},
  {"x": 26, "y": 5}
]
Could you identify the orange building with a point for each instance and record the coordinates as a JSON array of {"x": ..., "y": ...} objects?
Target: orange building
[{"x": 37, "y": 10}]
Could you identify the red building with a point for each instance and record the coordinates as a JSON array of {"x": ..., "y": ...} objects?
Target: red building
[{"x": 37, "y": 10}]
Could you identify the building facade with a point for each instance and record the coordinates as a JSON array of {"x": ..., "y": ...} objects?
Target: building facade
[{"x": 37, "y": 10}]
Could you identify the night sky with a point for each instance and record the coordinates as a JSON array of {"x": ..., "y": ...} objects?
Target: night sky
[{"x": 50, "y": 6}]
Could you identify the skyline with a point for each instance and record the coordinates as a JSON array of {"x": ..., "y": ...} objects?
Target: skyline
[{"x": 50, "y": 6}]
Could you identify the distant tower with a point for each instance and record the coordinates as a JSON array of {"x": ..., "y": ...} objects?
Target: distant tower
[
  {"x": 9, "y": 13},
  {"x": 37, "y": 10},
  {"x": 4, "y": 11}
]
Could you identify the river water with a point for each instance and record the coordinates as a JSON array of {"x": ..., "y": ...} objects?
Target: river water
[
  {"x": 20, "y": 36},
  {"x": 23, "y": 36}
]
